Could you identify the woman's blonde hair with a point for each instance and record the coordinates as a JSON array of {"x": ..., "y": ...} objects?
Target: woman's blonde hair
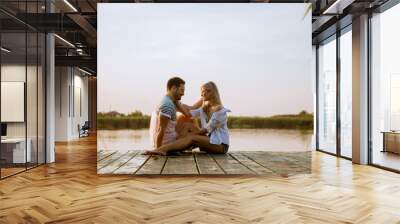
[{"x": 214, "y": 94}]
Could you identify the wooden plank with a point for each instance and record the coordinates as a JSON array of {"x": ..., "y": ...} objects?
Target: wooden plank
[
  {"x": 291, "y": 160},
  {"x": 153, "y": 165},
  {"x": 99, "y": 153},
  {"x": 230, "y": 165},
  {"x": 277, "y": 162},
  {"x": 103, "y": 154},
  {"x": 300, "y": 158},
  {"x": 266, "y": 159},
  {"x": 305, "y": 156},
  {"x": 132, "y": 166},
  {"x": 109, "y": 159},
  {"x": 270, "y": 156},
  {"x": 109, "y": 168},
  {"x": 206, "y": 164},
  {"x": 257, "y": 168},
  {"x": 184, "y": 164},
  {"x": 283, "y": 163}
]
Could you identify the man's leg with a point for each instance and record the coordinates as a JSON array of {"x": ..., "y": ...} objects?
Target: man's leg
[
  {"x": 186, "y": 126},
  {"x": 178, "y": 145},
  {"x": 187, "y": 129}
]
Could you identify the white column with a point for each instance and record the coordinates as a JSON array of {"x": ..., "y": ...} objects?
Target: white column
[
  {"x": 50, "y": 92},
  {"x": 360, "y": 90},
  {"x": 50, "y": 99}
]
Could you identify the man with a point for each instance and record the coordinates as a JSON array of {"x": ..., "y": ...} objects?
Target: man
[{"x": 164, "y": 131}]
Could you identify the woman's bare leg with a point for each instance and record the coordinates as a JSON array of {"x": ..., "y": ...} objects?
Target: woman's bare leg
[
  {"x": 203, "y": 142},
  {"x": 178, "y": 145}
]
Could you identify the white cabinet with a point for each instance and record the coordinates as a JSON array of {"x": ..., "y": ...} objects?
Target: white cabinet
[{"x": 16, "y": 147}]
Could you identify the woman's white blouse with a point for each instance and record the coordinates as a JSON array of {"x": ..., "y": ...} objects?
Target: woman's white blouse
[{"x": 217, "y": 126}]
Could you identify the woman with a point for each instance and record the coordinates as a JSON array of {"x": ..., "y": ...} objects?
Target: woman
[{"x": 213, "y": 135}]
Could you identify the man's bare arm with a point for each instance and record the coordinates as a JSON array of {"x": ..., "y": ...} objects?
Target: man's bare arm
[
  {"x": 197, "y": 105},
  {"x": 162, "y": 126},
  {"x": 185, "y": 109}
]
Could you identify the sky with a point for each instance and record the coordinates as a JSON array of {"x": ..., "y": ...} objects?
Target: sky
[{"x": 259, "y": 55}]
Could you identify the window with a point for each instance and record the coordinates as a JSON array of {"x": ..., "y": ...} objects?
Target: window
[
  {"x": 346, "y": 93},
  {"x": 327, "y": 96},
  {"x": 385, "y": 88}
]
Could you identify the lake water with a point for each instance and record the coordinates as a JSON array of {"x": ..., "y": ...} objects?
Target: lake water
[{"x": 240, "y": 140}]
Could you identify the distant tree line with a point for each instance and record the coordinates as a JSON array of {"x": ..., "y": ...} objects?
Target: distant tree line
[{"x": 114, "y": 120}]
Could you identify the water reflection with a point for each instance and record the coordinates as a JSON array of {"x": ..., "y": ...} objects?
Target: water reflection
[{"x": 241, "y": 139}]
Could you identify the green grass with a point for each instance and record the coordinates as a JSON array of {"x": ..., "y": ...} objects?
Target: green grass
[
  {"x": 115, "y": 123},
  {"x": 271, "y": 122},
  {"x": 136, "y": 120}
]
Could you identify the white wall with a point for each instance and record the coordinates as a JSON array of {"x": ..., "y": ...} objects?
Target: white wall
[
  {"x": 33, "y": 126},
  {"x": 12, "y": 73},
  {"x": 70, "y": 84},
  {"x": 62, "y": 81},
  {"x": 80, "y": 89}
]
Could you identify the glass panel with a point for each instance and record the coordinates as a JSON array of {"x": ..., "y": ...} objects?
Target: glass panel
[
  {"x": 41, "y": 98},
  {"x": 394, "y": 101},
  {"x": 327, "y": 96},
  {"x": 23, "y": 89},
  {"x": 314, "y": 80},
  {"x": 17, "y": 6},
  {"x": 31, "y": 86},
  {"x": 386, "y": 89},
  {"x": 31, "y": 101},
  {"x": 13, "y": 86},
  {"x": 346, "y": 94}
]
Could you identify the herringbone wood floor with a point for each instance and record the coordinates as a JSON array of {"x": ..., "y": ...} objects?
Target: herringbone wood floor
[{"x": 70, "y": 191}]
